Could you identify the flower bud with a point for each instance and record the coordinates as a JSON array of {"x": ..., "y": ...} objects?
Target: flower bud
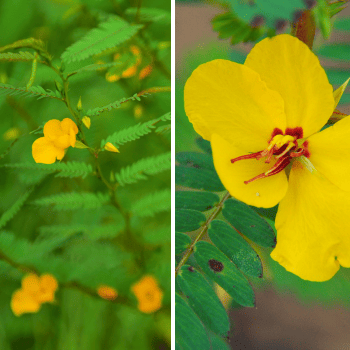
[{"x": 111, "y": 148}]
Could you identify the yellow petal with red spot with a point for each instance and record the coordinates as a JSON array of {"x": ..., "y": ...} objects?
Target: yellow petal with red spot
[
  {"x": 289, "y": 67},
  {"x": 264, "y": 193},
  {"x": 44, "y": 151},
  {"x": 312, "y": 226},
  {"x": 24, "y": 302},
  {"x": 231, "y": 100}
]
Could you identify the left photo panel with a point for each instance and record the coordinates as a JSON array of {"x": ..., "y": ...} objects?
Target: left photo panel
[{"x": 85, "y": 169}]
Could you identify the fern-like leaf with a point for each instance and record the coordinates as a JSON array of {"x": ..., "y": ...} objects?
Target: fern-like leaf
[
  {"x": 113, "y": 105},
  {"x": 32, "y": 43},
  {"x": 94, "y": 67},
  {"x": 10, "y": 213},
  {"x": 35, "y": 91},
  {"x": 111, "y": 33},
  {"x": 74, "y": 200},
  {"x": 143, "y": 167},
  {"x": 134, "y": 132},
  {"x": 20, "y": 56},
  {"x": 153, "y": 204},
  {"x": 69, "y": 169},
  {"x": 93, "y": 232}
]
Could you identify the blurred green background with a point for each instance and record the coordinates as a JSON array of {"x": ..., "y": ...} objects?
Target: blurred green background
[
  {"x": 87, "y": 247},
  {"x": 291, "y": 313}
]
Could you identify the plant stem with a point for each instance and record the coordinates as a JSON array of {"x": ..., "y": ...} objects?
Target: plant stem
[
  {"x": 304, "y": 29},
  {"x": 202, "y": 232}
]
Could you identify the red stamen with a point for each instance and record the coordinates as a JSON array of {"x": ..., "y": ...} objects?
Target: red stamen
[
  {"x": 248, "y": 156},
  {"x": 277, "y": 168},
  {"x": 296, "y": 132},
  {"x": 298, "y": 153}
]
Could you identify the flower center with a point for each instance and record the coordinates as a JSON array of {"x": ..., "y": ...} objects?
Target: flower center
[{"x": 283, "y": 147}]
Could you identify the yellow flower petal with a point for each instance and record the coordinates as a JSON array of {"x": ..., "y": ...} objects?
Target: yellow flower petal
[
  {"x": 53, "y": 129},
  {"x": 48, "y": 282},
  {"x": 264, "y": 193},
  {"x": 129, "y": 72},
  {"x": 229, "y": 99},
  {"x": 68, "y": 124},
  {"x": 31, "y": 283},
  {"x": 44, "y": 151},
  {"x": 289, "y": 67},
  {"x": 148, "y": 294},
  {"x": 23, "y": 302},
  {"x": 86, "y": 121},
  {"x": 312, "y": 226},
  {"x": 107, "y": 292},
  {"x": 62, "y": 141},
  {"x": 329, "y": 153},
  {"x": 110, "y": 147}
]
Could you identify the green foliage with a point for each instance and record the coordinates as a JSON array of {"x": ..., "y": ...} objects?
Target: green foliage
[
  {"x": 112, "y": 33},
  {"x": 20, "y": 56},
  {"x": 69, "y": 169},
  {"x": 152, "y": 204},
  {"x": 73, "y": 200},
  {"x": 13, "y": 210},
  {"x": 139, "y": 170},
  {"x": 133, "y": 133},
  {"x": 35, "y": 91}
]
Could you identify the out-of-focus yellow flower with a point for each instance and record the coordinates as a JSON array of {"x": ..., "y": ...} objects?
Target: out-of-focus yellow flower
[
  {"x": 107, "y": 292},
  {"x": 138, "y": 111},
  {"x": 145, "y": 72},
  {"x": 148, "y": 294},
  {"x": 86, "y": 121},
  {"x": 11, "y": 134},
  {"x": 112, "y": 77},
  {"x": 34, "y": 292},
  {"x": 111, "y": 148},
  {"x": 58, "y": 136},
  {"x": 130, "y": 72}
]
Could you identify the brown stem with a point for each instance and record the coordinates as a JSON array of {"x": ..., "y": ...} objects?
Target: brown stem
[{"x": 304, "y": 29}]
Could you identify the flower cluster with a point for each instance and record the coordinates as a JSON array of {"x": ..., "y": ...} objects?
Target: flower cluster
[
  {"x": 132, "y": 69},
  {"x": 35, "y": 291},
  {"x": 264, "y": 121},
  {"x": 58, "y": 136},
  {"x": 148, "y": 294}
]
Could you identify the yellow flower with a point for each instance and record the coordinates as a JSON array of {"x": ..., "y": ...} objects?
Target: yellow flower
[
  {"x": 58, "y": 136},
  {"x": 145, "y": 72},
  {"x": 11, "y": 134},
  {"x": 34, "y": 292},
  {"x": 263, "y": 118},
  {"x": 148, "y": 294},
  {"x": 107, "y": 292},
  {"x": 110, "y": 147},
  {"x": 138, "y": 110}
]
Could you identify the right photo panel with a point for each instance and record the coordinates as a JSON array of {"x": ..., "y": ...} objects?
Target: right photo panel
[{"x": 262, "y": 175}]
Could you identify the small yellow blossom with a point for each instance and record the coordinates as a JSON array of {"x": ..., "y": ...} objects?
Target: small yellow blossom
[
  {"x": 34, "y": 292},
  {"x": 58, "y": 136},
  {"x": 107, "y": 292},
  {"x": 148, "y": 294},
  {"x": 87, "y": 121},
  {"x": 11, "y": 134},
  {"x": 129, "y": 72},
  {"x": 110, "y": 147},
  {"x": 112, "y": 77},
  {"x": 145, "y": 72}
]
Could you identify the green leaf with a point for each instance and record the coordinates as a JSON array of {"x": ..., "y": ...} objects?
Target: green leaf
[
  {"x": 201, "y": 201},
  {"x": 35, "y": 91},
  {"x": 182, "y": 242},
  {"x": 236, "y": 248},
  {"x": 13, "y": 210},
  {"x": 152, "y": 204},
  {"x": 69, "y": 169},
  {"x": 204, "y": 145},
  {"x": 190, "y": 332},
  {"x": 336, "y": 7},
  {"x": 224, "y": 272},
  {"x": 134, "y": 132},
  {"x": 28, "y": 43},
  {"x": 201, "y": 179},
  {"x": 218, "y": 343},
  {"x": 74, "y": 200},
  {"x": 195, "y": 160},
  {"x": 147, "y": 14},
  {"x": 188, "y": 220},
  {"x": 94, "y": 67},
  {"x": 19, "y": 56},
  {"x": 110, "y": 34},
  {"x": 335, "y": 51},
  {"x": 203, "y": 300},
  {"x": 249, "y": 223},
  {"x": 146, "y": 166}
]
